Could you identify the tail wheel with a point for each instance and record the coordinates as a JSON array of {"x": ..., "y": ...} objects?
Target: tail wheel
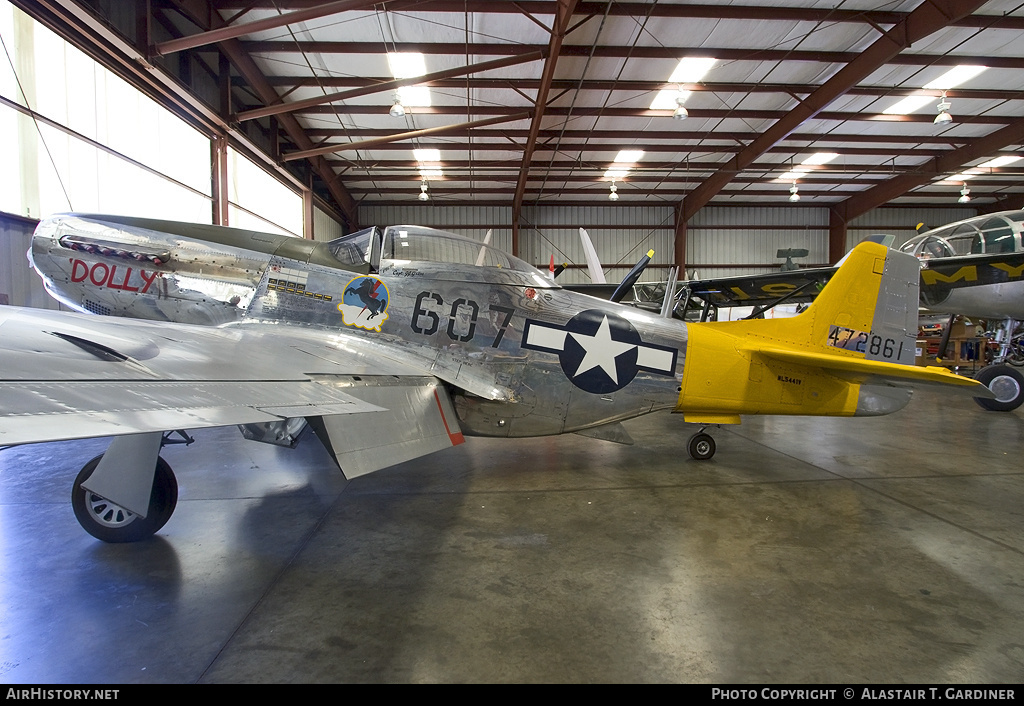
[
  {"x": 110, "y": 522},
  {"x": 1006, "y": 383},
  {"x": 701, "y": 447}
]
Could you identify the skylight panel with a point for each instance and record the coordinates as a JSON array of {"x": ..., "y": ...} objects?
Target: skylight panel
[
  {"x": 427, "y": 155},
  {"x": 908, "y": 105},
  {"x": 407, "y": 64},
  {"x": 666, "y": 99},
  {"x": 820, "y": 158},
  {"x": 1000, "y": 162},
  {"x": 815, "y": 160},
  {"x": 430, "y": 163},
  {"x": 980, "y": 169},
  {"x": 951, "y": 79},
  {"x": 624, "y": 161},
  {"x": 691, "y": 69},
  {"x": 410, "y": 65},
  {"x": 954, "y": 77},
  {"x": 628, "y": 156}
]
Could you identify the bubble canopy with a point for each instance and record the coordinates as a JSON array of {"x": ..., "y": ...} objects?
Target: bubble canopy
[{"x": 401, "y": 245}]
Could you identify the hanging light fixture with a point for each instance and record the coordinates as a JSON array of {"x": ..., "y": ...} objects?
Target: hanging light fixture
[
  {"x": 965, "y": 195},
  {"x": 943, "y": 118},
  {"x": 613, "y": 192},
  {"x": 424, "y": 191},
  {"x": 681, "y": 113},
  {"x": 397, "y": 110},
  {"x": 794, "y": 193}
]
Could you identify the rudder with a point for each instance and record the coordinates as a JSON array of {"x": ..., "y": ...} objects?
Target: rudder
[{"x": 868, "y": 307}]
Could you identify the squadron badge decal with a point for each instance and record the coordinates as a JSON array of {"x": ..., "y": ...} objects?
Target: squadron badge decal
[
  {"x": 365, "y": 303},
  {"x": 599, "y": 352}
]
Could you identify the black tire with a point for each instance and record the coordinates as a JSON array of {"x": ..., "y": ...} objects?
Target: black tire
[
  {"x": 1006, "y": 383},
  {"x": 112, "y": 523},
  {"x": 701, "y": 447}
]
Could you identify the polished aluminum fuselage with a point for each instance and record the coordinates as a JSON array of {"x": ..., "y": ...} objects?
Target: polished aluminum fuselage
[{"x": 464, "y": 324}]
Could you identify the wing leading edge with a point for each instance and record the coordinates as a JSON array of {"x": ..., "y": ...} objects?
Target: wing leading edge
[{"x": 71, "y": 376}]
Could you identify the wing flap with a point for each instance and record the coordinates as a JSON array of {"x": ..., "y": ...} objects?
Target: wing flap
[{"x": 417, "y": 419}]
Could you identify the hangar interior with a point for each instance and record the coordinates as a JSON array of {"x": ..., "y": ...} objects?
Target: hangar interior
[{"x": 808, "y": 550}]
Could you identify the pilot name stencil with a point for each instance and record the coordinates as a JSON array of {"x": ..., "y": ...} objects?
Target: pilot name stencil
[{"x": 599, "y": 352}]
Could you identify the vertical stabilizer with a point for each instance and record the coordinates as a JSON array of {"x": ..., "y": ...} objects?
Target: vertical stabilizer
[
  {"x": 841, "y": 357},
  {"x": 869, "y": 307}
]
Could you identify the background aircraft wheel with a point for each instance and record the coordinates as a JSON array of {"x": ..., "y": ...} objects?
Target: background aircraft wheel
[
  {"x": 701, "y": 447},
  {"x": 112, "y": 523},
  {"x": 1006, "y": 383}
]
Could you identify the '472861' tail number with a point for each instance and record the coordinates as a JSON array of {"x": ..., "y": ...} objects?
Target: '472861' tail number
[{"x": 874, "y": 346}]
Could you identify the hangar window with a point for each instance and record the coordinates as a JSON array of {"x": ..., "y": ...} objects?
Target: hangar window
[
  {"x": 74, "y": 136},
  {"x": 258, "y": 201}
]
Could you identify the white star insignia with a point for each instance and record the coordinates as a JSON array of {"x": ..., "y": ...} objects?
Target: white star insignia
[{"x": 601, "y": 351}]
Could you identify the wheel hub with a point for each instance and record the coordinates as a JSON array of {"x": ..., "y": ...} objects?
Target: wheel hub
[
  {"x": 1005, "y": 388},
  {"x": 107, "y": 513}
]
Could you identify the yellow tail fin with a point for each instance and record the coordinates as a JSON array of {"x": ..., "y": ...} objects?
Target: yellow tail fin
[{"x": 836, "y": 358}]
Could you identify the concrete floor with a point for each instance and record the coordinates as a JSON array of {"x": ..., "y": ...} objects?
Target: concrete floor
[{"x": 809, "y": 550}]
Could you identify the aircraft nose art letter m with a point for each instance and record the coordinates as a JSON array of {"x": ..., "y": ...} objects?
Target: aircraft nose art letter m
[{"x": 600, "y": 352}]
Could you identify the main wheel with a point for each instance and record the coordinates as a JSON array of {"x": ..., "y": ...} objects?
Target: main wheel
[
  {"x": 1006, "y": 383},
  {"x": 701, "y": 447},
  {"x": 112, "y": 523}
]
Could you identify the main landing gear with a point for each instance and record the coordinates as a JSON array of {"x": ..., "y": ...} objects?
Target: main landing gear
[
  {"x": 701, "y": 446},
  {"x": 131, "y": 491}
]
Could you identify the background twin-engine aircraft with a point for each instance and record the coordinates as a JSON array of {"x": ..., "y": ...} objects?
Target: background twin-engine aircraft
[{"x": 394, "y": 343}]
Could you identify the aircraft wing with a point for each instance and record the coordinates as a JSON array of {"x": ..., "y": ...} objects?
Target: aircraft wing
[
  {"x": 753, "y": 290},
  {"x": 70, "y": 376},
  {"x": 938, "y": 277}
]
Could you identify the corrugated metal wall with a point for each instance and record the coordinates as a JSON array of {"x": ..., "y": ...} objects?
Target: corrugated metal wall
[
  {"x": 19, "y": 284},
  {"x": 324, "y": 226},
  {"x": 748, "y": 238},
  {"x": 722, "y": 241},
  {"x": 621, "y": 234},
  {"x": 470, "y": 221}
]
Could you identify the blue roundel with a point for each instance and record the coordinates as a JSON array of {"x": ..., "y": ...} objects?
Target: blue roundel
[{"x": 599, "y": 351}]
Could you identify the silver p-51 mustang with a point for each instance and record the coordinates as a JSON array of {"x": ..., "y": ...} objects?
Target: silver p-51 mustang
[{"x": 393, "y": 343}]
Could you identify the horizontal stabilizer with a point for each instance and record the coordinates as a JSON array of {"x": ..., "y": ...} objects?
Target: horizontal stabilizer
[{"x": 862, "y": 370}]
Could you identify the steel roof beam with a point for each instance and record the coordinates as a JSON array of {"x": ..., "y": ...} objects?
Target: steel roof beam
[
  {"x": 424, "y": 80},
  {"x": 234, "y": 31},
  {"x": 927, "y": 18},
  {"x": 695, "y": 113},
  {"x": 626, "y": 52},
  {"x": 637, "y": 86},
  {"x": 247, "y": 67},
  {"x": 398, "y": 137},
  {"x": 712, "y": 11},
  {"x": 947, "y": 164},
  {"x": 563, "y": 14}
]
